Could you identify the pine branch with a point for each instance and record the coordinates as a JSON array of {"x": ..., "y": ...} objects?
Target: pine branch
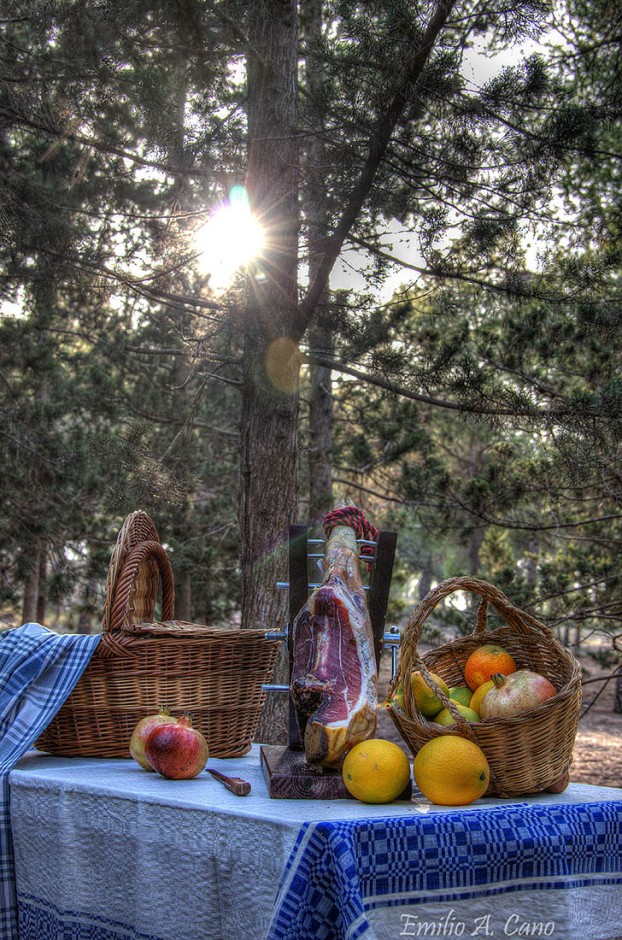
[
  {"x": 462, "y": 407},
  {"x": 139, "y": 286},
  {"x": 378, "y": 145},
  {"x": 488, "y": 519},
  {"x": 106, "y": 148},
  {"x": 526, "y": 291}
]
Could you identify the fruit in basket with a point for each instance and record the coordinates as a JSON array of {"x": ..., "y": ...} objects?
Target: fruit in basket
[
  {"x": 177, "y": 751},
  {"x": 426, "y": 700},
  {"x": 446, "y": 718},
  {"x": 142, "y": 731},
  {"x": 516, "y": 693},
  {"x": 376, "y": 771},
  {"x": 461, "y": 694},
  {"x": 485, "y": 660},
  {"x": 451, "y": 771},
  {"x": 397, "y": 699},
  {"x": 478, "y": 695}
]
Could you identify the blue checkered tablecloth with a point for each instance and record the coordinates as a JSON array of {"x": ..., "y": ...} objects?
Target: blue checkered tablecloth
[
  {"x": 442, "y": 874},
  {"x": 38, "y": 670}
]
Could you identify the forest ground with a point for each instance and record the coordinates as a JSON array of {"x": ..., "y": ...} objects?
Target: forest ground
[{"x": 598, "y": 747}]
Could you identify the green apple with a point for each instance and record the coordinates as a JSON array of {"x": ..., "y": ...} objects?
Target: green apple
[{"x": 461, "y": 694}]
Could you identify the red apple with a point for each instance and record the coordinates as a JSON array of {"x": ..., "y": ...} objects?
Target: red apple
[{"x": 177, "y": 751}]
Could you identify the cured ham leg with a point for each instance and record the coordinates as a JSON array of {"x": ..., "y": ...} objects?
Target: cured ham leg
[{"x": 334, "y": 682}]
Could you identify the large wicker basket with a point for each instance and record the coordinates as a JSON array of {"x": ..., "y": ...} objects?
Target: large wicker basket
[
  {"x": 528, "y": 753},
  {"x": 216, "y": 674}
]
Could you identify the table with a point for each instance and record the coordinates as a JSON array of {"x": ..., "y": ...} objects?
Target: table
[{"x": 106, "y": 850}]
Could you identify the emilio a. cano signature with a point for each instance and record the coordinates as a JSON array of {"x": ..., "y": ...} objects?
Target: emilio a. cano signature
[{"x": 412, "y": 925}]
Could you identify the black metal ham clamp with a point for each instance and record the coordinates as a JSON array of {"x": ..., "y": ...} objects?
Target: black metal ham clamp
[{"x": 287, "y": 773}]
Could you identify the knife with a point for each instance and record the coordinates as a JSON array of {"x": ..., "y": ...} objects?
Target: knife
[{"x": 235, "y": 784}]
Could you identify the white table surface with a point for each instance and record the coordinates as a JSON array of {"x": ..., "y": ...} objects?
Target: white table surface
[{"x": 105, "y": 840}]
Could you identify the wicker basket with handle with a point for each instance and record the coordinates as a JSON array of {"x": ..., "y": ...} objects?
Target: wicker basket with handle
[
  {"x": 215, "y": 673},
  {"x": 527, "y": 753}
]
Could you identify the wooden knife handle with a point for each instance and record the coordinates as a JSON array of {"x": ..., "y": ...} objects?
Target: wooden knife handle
[{"x": 234, "y": 784}]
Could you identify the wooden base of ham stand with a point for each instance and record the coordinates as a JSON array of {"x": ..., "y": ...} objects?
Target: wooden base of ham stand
[
  {"x": 287, "y": 773},
  {"x": 290, "y": 777}
]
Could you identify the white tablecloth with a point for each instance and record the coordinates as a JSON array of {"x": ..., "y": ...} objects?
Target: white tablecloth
[{"x": 106, "y": 850}]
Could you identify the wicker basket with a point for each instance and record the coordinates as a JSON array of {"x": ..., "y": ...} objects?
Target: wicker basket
[
  {"x": 528, "y": 753},
  {"x": 216, "y": 674}
]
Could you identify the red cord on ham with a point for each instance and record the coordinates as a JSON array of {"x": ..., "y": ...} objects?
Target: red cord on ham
[{"x": 334, "y": 682}]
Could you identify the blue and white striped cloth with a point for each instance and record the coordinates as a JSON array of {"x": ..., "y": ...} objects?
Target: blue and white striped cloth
[
  {"x": 38, "y": 670},
  {"x": 516, "y": 869}
]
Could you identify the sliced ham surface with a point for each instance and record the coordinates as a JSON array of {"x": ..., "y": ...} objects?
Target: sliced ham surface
[{"x": 334, "y": 682}]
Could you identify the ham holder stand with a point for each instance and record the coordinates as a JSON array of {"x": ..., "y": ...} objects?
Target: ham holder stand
[{"x": 287, "y": 773}]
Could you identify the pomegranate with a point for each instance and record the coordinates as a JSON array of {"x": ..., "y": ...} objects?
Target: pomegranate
[
  {"x": 515, "y": 693},
  {"x": 177, "y": 751},
  {"x": 142, "y": 731}
]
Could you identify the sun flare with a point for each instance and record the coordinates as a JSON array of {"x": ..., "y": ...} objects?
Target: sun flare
[{"x": 230, "y": 239}]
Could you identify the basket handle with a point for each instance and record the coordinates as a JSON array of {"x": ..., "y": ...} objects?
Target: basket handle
[
  {"x": 125, "y": 583},
  {"x": 138, "y": 527},
  {"x": 489, "y": 594}
]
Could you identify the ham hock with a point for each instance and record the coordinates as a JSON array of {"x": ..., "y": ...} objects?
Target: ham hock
[{"x": 334, "y": 680}]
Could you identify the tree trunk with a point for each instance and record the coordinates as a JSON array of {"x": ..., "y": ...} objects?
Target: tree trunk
[
  {"x": 321, "y": 433},
  {"x": 42, "y": 594},
  {"x": 275, "y": 320},
  {"x": 320, "y": 336},
  {"x": 425, "y": 578},
  {"x": 85, "y": 617},
  {"x": 30, "y": 602},
  {"x": 183, "y": 597},
  {"x": 532, "y": 561},
  {"x": 268, "y": 469},
  {"x": 475, "y": 545}
]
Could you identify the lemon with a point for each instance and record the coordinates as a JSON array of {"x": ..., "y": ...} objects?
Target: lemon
[
  {"x": 376, "y": 771},
  {"x": 451, "y": 771},
  {"x": 426, "y": 701},
  {"x": 479, "y": 694},
  {"x": 446, "y": 718},
  {"x": 461, "y": 694}
]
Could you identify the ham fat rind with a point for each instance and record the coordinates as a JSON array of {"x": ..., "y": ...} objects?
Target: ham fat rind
[{"x": 334, "y": 682}]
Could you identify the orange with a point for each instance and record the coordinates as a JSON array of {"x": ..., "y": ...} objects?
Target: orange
[
  {"x": 446, "y": 718},
  {"x": 486, "y": 660},
  {"x": 426, "y": 701},
  {"x": 376, "y": 771},
  {"x": 479, "y": 694},
  {"x": 451, "y": 771}
]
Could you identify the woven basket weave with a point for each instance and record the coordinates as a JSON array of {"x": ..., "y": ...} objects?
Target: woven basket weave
[
  {"x": 527, "y": 753},
  {"x": 216, "y": 674}
]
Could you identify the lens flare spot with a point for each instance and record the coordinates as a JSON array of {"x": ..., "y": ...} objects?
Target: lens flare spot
[{"x": 283, "y": 359}]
